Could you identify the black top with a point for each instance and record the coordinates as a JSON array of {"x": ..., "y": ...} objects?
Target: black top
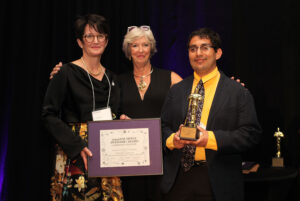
[
  {"x": 131, "y": 103},
  {"x": 69, "y": 99}
]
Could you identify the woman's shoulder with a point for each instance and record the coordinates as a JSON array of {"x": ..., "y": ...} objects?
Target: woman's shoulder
[
  {"x": 69, "y": 67},
  {"x": 112, "y": 75},
  {"x": 125, "y": 76},
  {"x": 68, "y": 70},
  {"x": 161, "y": 70},
  {"x": 162, "y": 73},
  {"x": 170, "y": 75},
  {"x": 110, "y": 72}
]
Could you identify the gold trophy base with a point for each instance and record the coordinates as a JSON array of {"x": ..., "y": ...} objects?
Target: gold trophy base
[
  {"x": 277, "y": 162},
  {"x": 188, "y": 133}
]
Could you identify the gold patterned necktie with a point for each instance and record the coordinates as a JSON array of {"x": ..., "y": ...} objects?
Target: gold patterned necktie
[{"x": 188, "y": 151}]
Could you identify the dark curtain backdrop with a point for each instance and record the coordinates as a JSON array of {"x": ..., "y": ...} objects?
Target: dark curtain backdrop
[{"x": 260, "y": 46}]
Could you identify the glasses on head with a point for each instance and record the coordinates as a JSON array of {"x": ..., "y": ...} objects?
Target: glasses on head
[
  {"x": 203, "y": 48},
  {"x": 143, "y": 27},
  {"x": 90, "y": 37}
]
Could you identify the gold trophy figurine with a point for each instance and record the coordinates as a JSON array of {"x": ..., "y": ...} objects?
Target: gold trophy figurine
[
  {"x": 278, "y": 160},
  {"x": 189, "y": 131}
]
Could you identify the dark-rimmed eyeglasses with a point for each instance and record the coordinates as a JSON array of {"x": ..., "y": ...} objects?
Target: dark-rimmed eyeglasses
[
  {"x": 90, "y": 37},
  {"x": 203, "y": 48},
  {"x": 143, "y": 27}
]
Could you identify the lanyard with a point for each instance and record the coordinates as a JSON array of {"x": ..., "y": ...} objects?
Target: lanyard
[{"x": 93, "y": 91}]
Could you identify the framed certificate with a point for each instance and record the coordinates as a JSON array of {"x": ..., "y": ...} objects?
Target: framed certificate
[{"x": 125, "y": 148}]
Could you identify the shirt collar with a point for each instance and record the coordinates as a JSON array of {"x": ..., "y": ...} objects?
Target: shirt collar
[{"x": 207, "y": 77}]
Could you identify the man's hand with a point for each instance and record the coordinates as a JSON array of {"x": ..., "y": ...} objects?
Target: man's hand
[
  {"x": 85, "y": 153},
  {"x": 55, "y": 69},
  {"x": 201, "y": 142},
  {"x": 178, "y": 143}
]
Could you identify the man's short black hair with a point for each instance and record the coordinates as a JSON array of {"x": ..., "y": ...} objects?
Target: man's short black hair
[{"x": 208, "y": 33}]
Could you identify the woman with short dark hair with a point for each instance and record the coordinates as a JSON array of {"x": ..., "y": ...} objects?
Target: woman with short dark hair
[{"x": 73, "y": 96}]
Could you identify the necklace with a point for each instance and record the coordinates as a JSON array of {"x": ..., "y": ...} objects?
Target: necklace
[
  {"x": 85, "y": 66},
  {"x": 142, "y": 84}
]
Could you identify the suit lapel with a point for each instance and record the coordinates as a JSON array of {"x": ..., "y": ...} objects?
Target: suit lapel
[
  {"x": 218, "y": 100},
  {"x": 187, "y": 87}
]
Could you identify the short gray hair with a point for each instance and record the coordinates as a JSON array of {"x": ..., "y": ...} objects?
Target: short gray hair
[{"x": 135, "y": 34}]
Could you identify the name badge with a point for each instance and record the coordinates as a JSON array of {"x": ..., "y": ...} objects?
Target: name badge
[{"x": 102, "y": 114}]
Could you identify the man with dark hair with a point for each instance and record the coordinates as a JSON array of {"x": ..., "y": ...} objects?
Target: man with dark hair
[{"x": 227, "y": 124}]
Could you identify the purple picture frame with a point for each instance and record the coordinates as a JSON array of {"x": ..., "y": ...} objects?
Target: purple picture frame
[{"x": 155, "y": 148}]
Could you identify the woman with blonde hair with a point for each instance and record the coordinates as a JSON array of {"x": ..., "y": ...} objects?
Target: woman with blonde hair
[{"x": 143, "y": 92}]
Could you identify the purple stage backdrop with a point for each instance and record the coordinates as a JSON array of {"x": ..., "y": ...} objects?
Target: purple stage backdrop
[{"x": 3, "y": 151}]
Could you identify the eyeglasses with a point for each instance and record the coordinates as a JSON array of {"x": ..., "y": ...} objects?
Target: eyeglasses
[
  {"x": 143, "y": 27},
  {"x": 90, "y": 37},
  {"x": 203, "y": 48}
]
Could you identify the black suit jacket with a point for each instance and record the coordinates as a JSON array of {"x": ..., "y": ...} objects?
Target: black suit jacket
[{"x": 233, "y": 120}]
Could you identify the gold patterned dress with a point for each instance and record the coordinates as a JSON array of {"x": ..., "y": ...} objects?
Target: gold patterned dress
[{"x": 70, "y": 178}]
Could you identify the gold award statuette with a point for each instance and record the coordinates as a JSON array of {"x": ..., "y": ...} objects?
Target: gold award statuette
[
  {"x": 277, "y": 161},
  {"x": 189, "y": 131}
]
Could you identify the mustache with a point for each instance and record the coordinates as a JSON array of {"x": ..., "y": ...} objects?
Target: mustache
[{"x": 200, "y": 57}]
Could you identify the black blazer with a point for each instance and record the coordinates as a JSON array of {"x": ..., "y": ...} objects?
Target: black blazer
[{"x": 233, "y": 120}]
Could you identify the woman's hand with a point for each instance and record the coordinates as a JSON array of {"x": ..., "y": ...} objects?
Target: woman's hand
[
  {"x": 85, "y": 153},
  {"x": 238, "y": 80},
  {"x": 55, "y": 69},
  {"x": 124, "y": 117}
]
